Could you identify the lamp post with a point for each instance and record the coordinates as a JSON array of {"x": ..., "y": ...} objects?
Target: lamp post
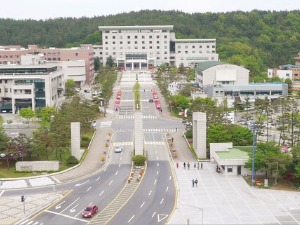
[
  {"x": 199, "y": 209},
  {"x": 253, "y": 154}
]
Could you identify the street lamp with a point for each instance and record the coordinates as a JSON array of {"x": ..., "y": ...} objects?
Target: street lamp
[
  {"x": 199, "y": 209},
  {"x": 253, "y": 154}
]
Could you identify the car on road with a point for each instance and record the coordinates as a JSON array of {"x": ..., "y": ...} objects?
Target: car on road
[
  {"x": 118, "y": 149},
  {"x": 150, "y": 100},
  {"x": 90, "y": 211}
]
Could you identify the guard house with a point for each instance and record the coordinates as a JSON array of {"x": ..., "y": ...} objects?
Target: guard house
[{"x": 230, "y": 160}]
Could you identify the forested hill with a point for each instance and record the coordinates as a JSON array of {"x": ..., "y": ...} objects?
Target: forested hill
[{"x": 256, "y": 39}]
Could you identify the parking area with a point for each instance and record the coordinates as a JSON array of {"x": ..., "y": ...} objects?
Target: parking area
[{"x": 220, "y": 199}]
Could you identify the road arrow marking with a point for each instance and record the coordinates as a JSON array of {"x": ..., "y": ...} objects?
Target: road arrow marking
[
  {"x": 161, "y": 217},
  {"x": 73, "y": 209},
  {"x": 59, "y": 206},
  {"x": 76, "y": 185}
]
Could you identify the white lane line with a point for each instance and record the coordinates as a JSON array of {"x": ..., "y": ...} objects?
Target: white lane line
[
  {"x": 153, "y": 214},
  {"x": 91, "y": 203},
  {"x": 117, "y": 172},
  {"x": 25, "y": 221},
  {"x": 101, "y": 193},
  {"x": 30, "y": 223},
  {"x": 155, "y": 181},
  {"x": 130, "y": 219},
  {"x": 89, "y": 189},
  {"x": 97, "y": 178},
  {"x": 71, "y": 217},
  {"x": 110, "y": 182},
  {"x": 121, "y": 158},
  {"x": 119, "y": 165},
  {"x": 157, "y": 172},
  {"x": 73, "y": 209},
  {"x": 170, "y": 178},
  {"x": 142, "y": 204},
  {"x": 161, "y": 200},
  {"x": 70, "y": 205},
  {"x": 35, "y": 223},
  {"x": 167, "y": 188},
  {"x": 150, "y": 192},
  {"x": 54, "y": 178},
  {"x": 1, "y": 193},
  {"x": 157, "y": 164}
]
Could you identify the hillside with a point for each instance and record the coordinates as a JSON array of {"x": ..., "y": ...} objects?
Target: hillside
[{"x": 256, "y": 39}]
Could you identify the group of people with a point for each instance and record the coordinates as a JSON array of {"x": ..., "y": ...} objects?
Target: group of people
[{"x": 188, "y": 165}]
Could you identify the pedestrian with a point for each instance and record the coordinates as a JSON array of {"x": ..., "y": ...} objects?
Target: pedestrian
[
  {"x": 196, "y": 182},
  {"x": 201, "y": 166},
  {"x": 177, "y": 165},
  {"x": 184, "y": 165},
  {"x": 172, "y": 139},
  {"x": 188, "y": 165},
  {"x": 176, "y": 129},
  {"x": 161, "y": 110},
  {"x": 194, "y": 165},
  {"x": 193, "y": 182},
  {"x": 217, "y": 168},
  {"x": 198, "y": 165}
]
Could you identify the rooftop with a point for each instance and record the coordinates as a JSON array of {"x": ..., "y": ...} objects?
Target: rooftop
[
  {"x": 233, "y": 153},
  {"x": 205, "y": 65}
]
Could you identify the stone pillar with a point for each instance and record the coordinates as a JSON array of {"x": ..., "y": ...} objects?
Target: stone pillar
[
  {"x": 138, "y": 134},
  {"x": 75, "y": 140},
  {"x": 199, "y": 134}
]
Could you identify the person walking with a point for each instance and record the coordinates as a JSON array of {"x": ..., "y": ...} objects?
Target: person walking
[
  {"x": 194, "y": 165},
  {"x": 184, "y": 165},
  {"x": 196, "y": 182},
  {"x": 193, "y": 182},
  {"x": 198, "y": 166},
  {"x": 201, "y": 166},
  {"x": 188, "y": 165},
  {"x": 177, "y": 165}
]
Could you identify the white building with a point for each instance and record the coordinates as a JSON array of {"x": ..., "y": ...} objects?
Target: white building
[
  {"x": 34, "y": 86},
  {"x": 282, "y": 74},
  {"x": 141, "y": 47}
]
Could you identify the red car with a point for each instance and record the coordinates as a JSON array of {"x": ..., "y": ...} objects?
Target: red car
[{"x": 89, "y": 211}]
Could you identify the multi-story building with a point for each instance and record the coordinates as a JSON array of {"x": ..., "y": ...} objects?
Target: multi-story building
[
  {"x": 288, "y": 71},
  {"x": 12, "y": 55},
  {"x": 34, "y": 86},
  {"x": 141, "y": 47}
]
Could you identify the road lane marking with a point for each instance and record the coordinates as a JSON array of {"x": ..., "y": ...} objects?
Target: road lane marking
[
  {"x": 153, "y": 214},
  {"x": 70, "y": 205},
  {"x": 150, "y": 192},
  {"x": 1, "y": 193},
  {"x": 54, "y": 178},
  {"x": 25, "y": 221},
  {"x": 157, "y": 172},
  {"x": 117, "y": 172},
  {"x": 167, "y": 188},
  {"x": 101, "y": 193},
  {"x": 155, "y": 181},
  {"x": 89, "y": 189},
  {"x": 170, "y": 178},
  {"x": 121, "y": 158},
  {"x": 130, "y": 219},
  {"x": 73, "y": 209},
  {"x": 157, "y": 164},
  {"x": 35, "y": 223},
  {"x": 110, "y": 182},
  {"x": 97, "y": 178},
  {"x": 76, "y": 185},
  {"x": 71, "y": 217},
  {"x": 59, "y": 205},
  {"x": 161, "y": 217},
  {"x": 142, "y": 204},
  {"x": 91, "y": 203},
  {"x": 119, "y": 165},
  {"x": 162, "y": 200}
]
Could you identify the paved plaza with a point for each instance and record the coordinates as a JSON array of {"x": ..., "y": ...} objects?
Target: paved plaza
[{"x": 220, "y": 199}]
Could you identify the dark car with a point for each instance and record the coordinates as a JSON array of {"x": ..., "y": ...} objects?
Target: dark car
[
  {"x": 89, "y": 211},
  {"x": 150, "y": 100}
]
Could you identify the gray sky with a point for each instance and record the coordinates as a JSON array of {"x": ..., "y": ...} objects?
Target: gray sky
[{"x": 45, "y": 9}]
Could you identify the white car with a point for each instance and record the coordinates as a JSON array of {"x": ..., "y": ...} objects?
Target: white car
[{"x": 118, "y": 149}]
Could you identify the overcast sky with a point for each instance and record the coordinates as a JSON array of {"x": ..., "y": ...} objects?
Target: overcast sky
[{"x": 45, "y": 9}]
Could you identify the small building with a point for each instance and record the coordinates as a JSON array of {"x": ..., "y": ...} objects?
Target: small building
[{"x": 229, "y": 159}]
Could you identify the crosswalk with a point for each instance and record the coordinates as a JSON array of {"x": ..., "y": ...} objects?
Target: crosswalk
[
  {"x": 147, "y": 130},
  {"x": 132, "y": 117},
  {"x": 28, "y": 222},
  {"x": 105, "y": 124}
]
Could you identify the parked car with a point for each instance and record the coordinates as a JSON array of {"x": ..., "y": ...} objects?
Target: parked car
[
  {"x": 90, "y": 211},
  {"x": 118, "y": 149}
]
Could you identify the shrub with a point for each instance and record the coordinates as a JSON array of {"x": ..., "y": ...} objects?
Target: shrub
[
  {"x": 72, "y": 160},
  {"x": 139, "y": 160}
]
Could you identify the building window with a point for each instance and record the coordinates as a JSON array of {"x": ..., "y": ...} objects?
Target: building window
[
  {"x": 5, "y": 81},
  {"x": 150, "y": 42},
  {"x": 128, "y": 42},
  {"x": 76, "y": 54},
  {"x": 106, "y": 43},
  {"x": 121, "y": 37},
  {"x": 6, "y": 90},
  {"x": 207, "y": 46},
  {"x": 193, "y": 46},
  {"x": 135, "y": 47},
  {"x": 135, "y": 42},
  {"x": 106, "y": 48},
  {"x": 186, "y": 52},
  {"x": 157, "y": 57},
  {"x": 157, "y": 36},
  {"x": 114, "y": 37},
  {"x": 186, "y": 46},
  {"x": 229, "y": 169},
  {"x": 179, "y": 52},
  {"x": 128, "y": 37},
  {"x": 106, "y": 37},
  {"x": 150, "y": 47},
  {"x": 150, "y": 36},
  {"x": 179, "y": 47},
  {"x": 143, "y": 37},
  {"x": 135, "y": 37},
  {"x": 165, "y": 53},
  {"x": 157, "y": 42},
  {"x": 200, "y": 46},
  {"x": 143, "y": 42},
  {"x": 157, "y": 47},
  {"x": 165, "y": 36},
  {"x": 143, "y": 47},
  {"x": 121, "y": 42},
  {"x": 166, "y": 47},
  {"x": 114, "y": 53},
  {"x": 114, "y": 42}
]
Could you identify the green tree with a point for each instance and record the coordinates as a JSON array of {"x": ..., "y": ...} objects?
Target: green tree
[
  {"x": 27, "y": 113},
  {"x": 70, "y": 86},
  {"x": 110, "y": 62}
]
